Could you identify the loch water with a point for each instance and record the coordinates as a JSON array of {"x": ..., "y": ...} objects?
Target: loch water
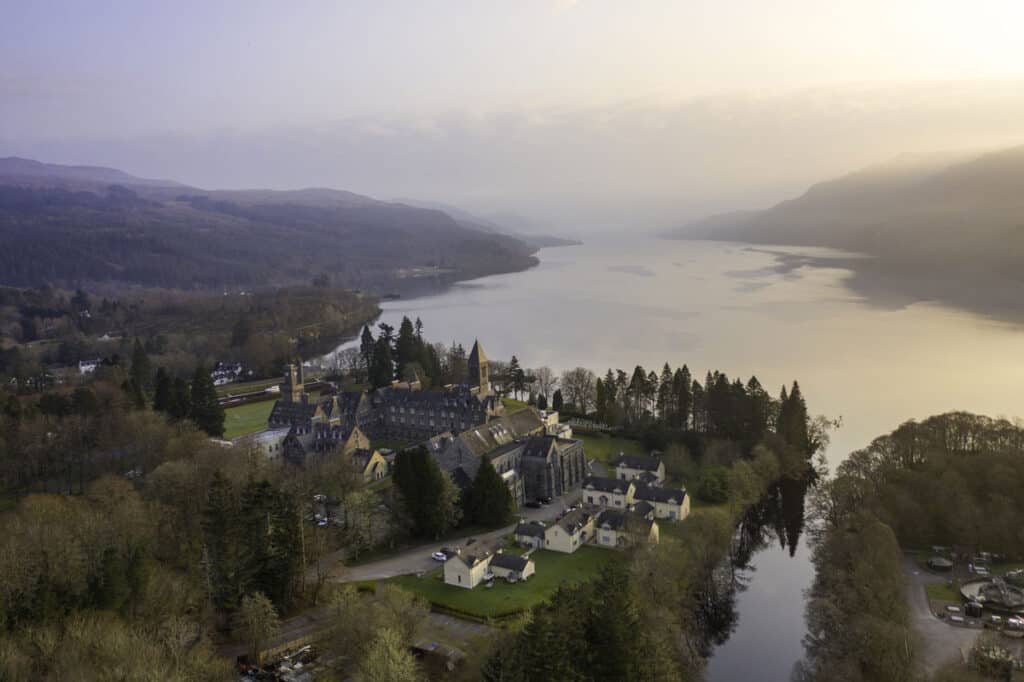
[{"x": 746, "y": 311}]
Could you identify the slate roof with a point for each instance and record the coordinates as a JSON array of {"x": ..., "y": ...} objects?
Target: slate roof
[
  {"x": 615, "y": 519},
  {"x": 666, "y": 495},
  {"x": 292, "y": 413},
  {"x": 511, "y": 562},
  {"x": 573, "y": 521},
  {"x": 531, "y": 529},
  {"x": 644, "y": 462},
  {"x": 472, "y": 560},
  {"x": 606, "y": 485},
  {"x": 643, "y": 508}
]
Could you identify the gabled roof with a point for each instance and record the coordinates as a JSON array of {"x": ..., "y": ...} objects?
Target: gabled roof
[
  {"x": 643, "y": 508},
  {"x": 574, "y": 521},
  {"x": 666, "y": 495},
  {"x": 531, "y": 529},
  {"x": 615, "y": 519},
  {"x": 470, "y": 560},
  {"x": 643, "y": 462},
  {"x": 361, "y": 457},
  {"x": 607, "y": 485},
  {"x": 511, "y": 562}
]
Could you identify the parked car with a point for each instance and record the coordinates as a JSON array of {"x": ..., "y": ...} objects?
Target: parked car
[
  {"x": 534, "y": 504},
  {"x": 439, "y": 556},
  {"x": 544, "y": 500},
  {"x": 322, "y": 523},
  {"x": 448, "y": 552}
]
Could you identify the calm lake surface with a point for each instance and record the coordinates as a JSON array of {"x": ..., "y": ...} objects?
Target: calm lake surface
[{"x": 743, "y": 310}]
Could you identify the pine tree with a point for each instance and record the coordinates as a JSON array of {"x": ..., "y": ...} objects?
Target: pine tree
[
  {"x": 556, "y": 400},
  {"x": 162, "y": 393},
  {"x": 430, "y": 496},
  {"x": 366, "y": 347},
  {"x": 406, "y": 347},
  {"x": 181, "y": 399},
  {"x": 489, "y": 502},
  {"x": 665, "y": 402},
  {"x": 516, "y": 376},
  {"x": 542, "y": 402},
  {"x": 204, "y": 407},
  {"x": 382, "y": 370}
]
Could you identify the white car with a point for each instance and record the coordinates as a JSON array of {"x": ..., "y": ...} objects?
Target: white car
[{"x": 439, "y": 556}]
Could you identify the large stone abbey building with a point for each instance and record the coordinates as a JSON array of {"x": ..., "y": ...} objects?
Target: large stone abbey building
[{"x": 402, "y": 411}]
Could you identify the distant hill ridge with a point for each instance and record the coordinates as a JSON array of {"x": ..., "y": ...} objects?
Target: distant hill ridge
[
  {"x": 81, "y": 225},
  {"x": 914, "y": 216}
]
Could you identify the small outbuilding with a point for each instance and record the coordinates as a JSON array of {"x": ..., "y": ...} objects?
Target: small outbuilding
[{"x": 512, "y": 567}]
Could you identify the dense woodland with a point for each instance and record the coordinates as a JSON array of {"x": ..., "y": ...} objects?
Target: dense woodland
[
  {"x": 951, "y": 480},
  {"x": 169, "y": 527},
  {"x": 46, "y": 328}
]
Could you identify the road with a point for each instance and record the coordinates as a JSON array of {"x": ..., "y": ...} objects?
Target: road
[
  {"x": 416, "y": 559},
  {"x": 941, "y": 642}
]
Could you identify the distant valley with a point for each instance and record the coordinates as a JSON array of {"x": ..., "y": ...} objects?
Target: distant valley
[
  {"x": 83, "y": 226},
  {"x": 950, "y": 231}
]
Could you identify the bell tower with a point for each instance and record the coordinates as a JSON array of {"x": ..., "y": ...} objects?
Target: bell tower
[
  {"x": 479, "y": 372},
  {"x": 293, "y": 387}
]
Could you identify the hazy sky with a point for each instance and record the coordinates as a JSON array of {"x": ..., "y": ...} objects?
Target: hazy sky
[{"x": 573, "y": 111}]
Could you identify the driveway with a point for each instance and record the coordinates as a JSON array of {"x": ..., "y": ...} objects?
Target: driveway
[
  {"x": 941, "y": 642},
  {"x": 416, "y": 559}
]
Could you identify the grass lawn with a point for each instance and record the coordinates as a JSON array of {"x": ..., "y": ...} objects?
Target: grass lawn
[
  {"x": 512, "y": 405},
  {"x": 942, "y": 592},
  {"x": 605, "y": 448},
  {"x": 249, "y": 418},
  {"x": 553, "y": 569}
]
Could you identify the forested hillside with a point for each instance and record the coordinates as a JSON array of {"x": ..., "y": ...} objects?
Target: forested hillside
[
  {"x": 918, "y": 218},
  {"x": 77, "y": 227}
]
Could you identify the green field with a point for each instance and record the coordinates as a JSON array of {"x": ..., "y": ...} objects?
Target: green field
[
  {"x": 605, "y": 448},
  {"x": 553, "y": 569},
  {"x": 249, "y": 418}
]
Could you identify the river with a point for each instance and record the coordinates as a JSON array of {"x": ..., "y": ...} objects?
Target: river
[{"x": 743, "y": 310}]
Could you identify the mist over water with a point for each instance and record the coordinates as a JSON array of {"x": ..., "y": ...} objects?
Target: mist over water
[{"x": 742, "y": 310}]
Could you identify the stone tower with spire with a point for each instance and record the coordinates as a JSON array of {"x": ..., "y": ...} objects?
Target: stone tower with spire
[
  {"x": 293, "y": 389},
  {"x": 479, "y": 372}
]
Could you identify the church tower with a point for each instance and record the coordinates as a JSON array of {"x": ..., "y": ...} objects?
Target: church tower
[
  {"x": 479, "y": 373},
  {"x": 293, "y": 389}
]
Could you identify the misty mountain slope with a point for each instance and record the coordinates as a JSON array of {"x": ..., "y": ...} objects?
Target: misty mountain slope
[
  {"x": 967, "y": 216},
  {"x": 70, "y": 226}
]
